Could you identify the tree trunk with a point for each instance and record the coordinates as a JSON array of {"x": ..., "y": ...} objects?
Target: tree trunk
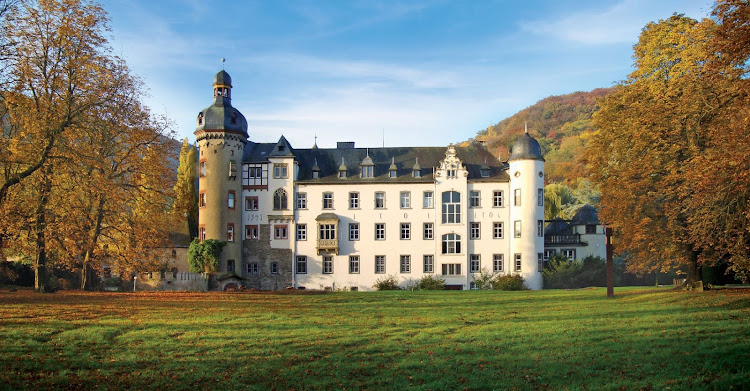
[
  {"x": 86, "y": 268},
  {"x": 694, "y": 279},
  {"x": 40, "y": 264}
]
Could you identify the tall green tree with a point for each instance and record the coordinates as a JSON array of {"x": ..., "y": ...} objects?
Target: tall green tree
[{"x": 186, "y": 196}]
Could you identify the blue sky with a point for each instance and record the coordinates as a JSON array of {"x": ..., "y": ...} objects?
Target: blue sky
[{"x": 414, "y": 73}]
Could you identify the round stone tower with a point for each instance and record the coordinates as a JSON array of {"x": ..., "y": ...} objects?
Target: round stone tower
[
  {"x": 221, "y": 135},
  {"x": 527, "y": 210}
]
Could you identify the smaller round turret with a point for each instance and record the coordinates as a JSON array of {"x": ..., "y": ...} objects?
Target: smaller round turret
[{"x": 526, "y": 147}]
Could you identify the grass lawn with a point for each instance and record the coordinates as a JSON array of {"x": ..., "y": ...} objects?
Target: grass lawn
[{"x": 642, "y": 339}]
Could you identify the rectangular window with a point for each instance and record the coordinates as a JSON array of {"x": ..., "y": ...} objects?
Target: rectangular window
[
  {"x": 279, "y": 170},
  {"x": 497, "y": 199},
  {"x": 326, "y": 231},
  {"x": 548, "y": 254},
  {"x": 380, "y": 231},
  {"x": 497, "y": 263},
  {"x": 451, "y": 207},
  {"x": 232, "y": 169},
  {"x": 251, "y": 203},
  {"x": 497, "y": 230},
  {"x": 569, "y": 253},
  {"x": 301, "y": 231},
  {"x": 202, "y": 199},
  {"x": 379, "y": 200},
  {"x": 590, "y": 229},
  {"x": 230, "y": 199},
  {"x": 230, "y": 232},
  {"x": 539, "y": 262},
  {"x": 274, "y": 268},
  {"x": 251, "y": 232},
  {"x": 301, "y": 264},
  {"x": 428, "y": 232},
  {"x": 474, "y": 231},
  {"x": 517, "y": 229},
  {"x": 301, "y": 200},
  {"x": 202, "y": 168},
  {"x": 540, "y": 228},
  {"x": 517, "y": 258},
  {"x": 353, "y": 200},
  {"x": 475, "y": 263},
  {"x": 353, "y": 231},
  {"x": 354, "y": 264},
  {"x": 255, "y": 175},
  {"x": 474, "y": 199},
  {"x": 230, "y": 265},
  {"x": 327, "y": 200},
  {"x": 202, "y": 233},
  {"x": 540, "y": 197},
  {"x": 253, "y": 268},
  {"x": 517, "y": 197},
  {"x": 380, "y": 264},
  {"x": 427, "y": 200},
  {"x": 405, "y": 231},
  {"x": 451, "y": 269},
  {"x": 428, "y": 263},
  {"x": 327, "y": 264},
  {"x": 405, "y": 200},
  {"x": 405, "y": 264},
  {"x": 280, "y": 232}
]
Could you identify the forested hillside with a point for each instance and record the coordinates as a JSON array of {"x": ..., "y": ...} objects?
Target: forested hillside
[{"x": 562, "y": 125}]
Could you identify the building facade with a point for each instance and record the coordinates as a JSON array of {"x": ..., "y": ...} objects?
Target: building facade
[
  {"x": 344, "y": 217},
  {"x": 582, "y": 236}
]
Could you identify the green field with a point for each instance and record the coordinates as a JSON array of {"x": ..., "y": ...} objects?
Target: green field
[{"x": 641, "y": 339}]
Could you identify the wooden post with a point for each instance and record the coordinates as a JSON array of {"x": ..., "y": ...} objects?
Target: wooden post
[{"x": 610, "y": 264}]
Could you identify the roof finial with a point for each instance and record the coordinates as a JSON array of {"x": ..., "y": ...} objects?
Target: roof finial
[
  {"x": 393, "y": 160},
  {"x": 316, "y": 140},
  {"x": 368, "y": 151},
  {"x": 525, "y": 127},
  {"x": 222, "y": 63}
]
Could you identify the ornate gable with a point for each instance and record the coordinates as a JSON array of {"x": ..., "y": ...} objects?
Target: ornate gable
[{"x": 451, "y": 166}]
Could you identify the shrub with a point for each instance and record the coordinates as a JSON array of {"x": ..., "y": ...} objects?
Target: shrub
[
  {"x": 430, "y": 283},
  {"x": 204, "y": 256},
  {"x": 560, "y": 272},
  {"x": 508, "y": 282},
  {"x": 484, "y": 279},
  {"x": 389, "y": 283}
]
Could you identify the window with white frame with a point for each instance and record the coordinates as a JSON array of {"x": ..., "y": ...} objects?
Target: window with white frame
[
  {"x": 251, "y": 203},
  {"x": 517, "y": 197},
  {"x": 354, "y": 264},
  {"x": 367, "y": 172},
  {"x": 279, "y": 170},
  {"x": 497, "y": 230},
  {"x": 379, "y": 200},
  {"x": 327, "y": 200},
  {"x": 517, "y": 260},
  {"x": 405, "y": 231},
  {"x": 540, "y": 228},
  {"x": 353, "y": 231},
  {"x": 202, "y": 168},
  {"x": 548, "y": 254},
  {"x": 274, "y": 268},
  {"x": 379, "y": 231},
  {"x": 451, "y": 207},
  {"x": 230, "y": 199},
  {"x": 251, "y": 232},
  {"x": 497, "y": 263},
  {"x": 540, "y": 197},
  {"x": 230, "y": 232},
  {"x": 327, "y": 264},
  {"x": 253, "y": 268},
  {"x": 428, "y": 231},
  {"x": 380, "y": 264},
  {"x": 517, "y": 229},
  {"x": 472, "y": 285},
  {"x": 301, "y": 231},
  {"x": 451, "y": 269},
  {"x": 427, "y": 200},
  {"x": 474, "y": 230},
  {"x": 301, "y": 264},
  {"x": 405, "y": 264},
  {"x": 570, "y": 253},
  {"x": 301, "y": 200},
  {"x": 353, "y": 200},
  {"x": 451, "y": 244},
  {"x": 428, "y": 262},
  {"x": 405, "y": 200},
  {"x": 474, "y": 199},
  {"x": 326, "y": 231},
  {"x": 497, "y": 199},
  {"x": 475, "y": 263},
  {"x": 280, "y": 232},
  {"x": 255, "y": 175}
]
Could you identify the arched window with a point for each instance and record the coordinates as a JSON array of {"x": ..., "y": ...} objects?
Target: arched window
[
  {"x": 451, "y": 207},
  {"x": 279, "y": 199},
  {"x": 451, "y": 244}
]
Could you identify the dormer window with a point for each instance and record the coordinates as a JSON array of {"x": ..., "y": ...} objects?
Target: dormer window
[
  {"x": 316, "y": 174},
  {"x": 392, "y": 173},
  {"x": 342, "y": 174},
  {"x": 485, "y": 172},
  {"x": 367, "y": 172},
  {"x": 233, "y": 118},
  {"x": 393, "y": 170},
  {"x": 200, "y": 118},
  {"x": 280, "y": 148},
  {"x": 416, "y": 174}
]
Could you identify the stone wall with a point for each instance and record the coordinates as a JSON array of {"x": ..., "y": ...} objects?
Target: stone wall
[
  {"x": 260, "y": 252},
  {"x": 169, "y": 281}
]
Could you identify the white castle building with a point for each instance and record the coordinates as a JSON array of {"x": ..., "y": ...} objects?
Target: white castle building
[{"x": 346, "y": 217}]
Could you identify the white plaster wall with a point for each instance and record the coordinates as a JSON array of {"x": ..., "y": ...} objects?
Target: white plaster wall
[{"x": 524, "y": 175}]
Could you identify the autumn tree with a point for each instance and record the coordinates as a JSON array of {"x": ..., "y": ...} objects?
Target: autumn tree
[{"x": 653, "y": 130}]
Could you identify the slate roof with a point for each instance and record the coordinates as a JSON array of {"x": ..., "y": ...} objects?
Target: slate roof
[
  {"x": 526, "y": 147},
  {"x": 586, "y": 214},
  {"x": 557, "y": 226},
  {"x": 328, "y": 160}
]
